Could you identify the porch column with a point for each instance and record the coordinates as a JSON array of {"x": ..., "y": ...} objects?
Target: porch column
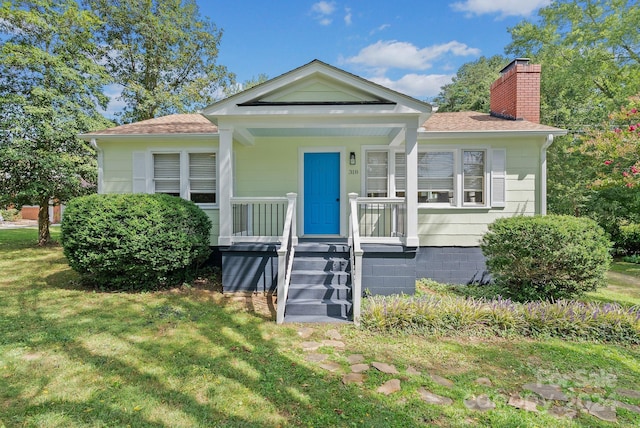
[
  {"x": 225, "y": 185},
  {"x": 411, "y": 151}
]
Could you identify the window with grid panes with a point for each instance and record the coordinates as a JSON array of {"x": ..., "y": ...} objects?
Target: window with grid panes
[
  {"x": 473, "y": 177},
  {"x": 377, "y": 174}
]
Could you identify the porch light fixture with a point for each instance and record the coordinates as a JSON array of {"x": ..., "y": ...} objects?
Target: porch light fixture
[{"x": 352, "y": 158}]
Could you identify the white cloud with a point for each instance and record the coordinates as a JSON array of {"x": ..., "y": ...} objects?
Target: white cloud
[
  {"x": 383, "y": 55},
  {"x": 502, "y": 7},
  {"x": 416, "y": 85},
  {"x": 323, "y": 11},
  {"x": 347, "y": 16},
  {"x": 378, "y": 29}
]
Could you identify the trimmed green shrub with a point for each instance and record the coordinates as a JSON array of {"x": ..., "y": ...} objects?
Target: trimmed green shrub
[
  {"x": 135, "y": 242},
  {"x": 546, "y": 257},
  {"x": 10, "y": 214},
  {"x": 629, "y": 238}
]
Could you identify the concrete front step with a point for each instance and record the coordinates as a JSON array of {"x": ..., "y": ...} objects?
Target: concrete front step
[
  {"x": 325, "y": 307},
  {"x": 322, "y": 263},
  {"x": 320, "y": 277},
  {"x": 315, "y": 318},
  {"x": 319, "y": 292}
]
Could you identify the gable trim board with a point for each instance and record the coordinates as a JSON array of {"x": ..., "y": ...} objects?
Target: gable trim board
[{"x": 260, "y": 137}]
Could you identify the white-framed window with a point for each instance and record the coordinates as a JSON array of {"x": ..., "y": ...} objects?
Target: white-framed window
[
  {"x": 202, "y": 178},
  {"x": 448, "y": 177},
  {"x": 191, "y": 175},
  {"x": 474, "y": 177},
  {"x": 377, "y": 174}
]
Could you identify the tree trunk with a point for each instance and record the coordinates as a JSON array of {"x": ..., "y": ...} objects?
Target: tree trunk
[{"x": 43, "y": 222}]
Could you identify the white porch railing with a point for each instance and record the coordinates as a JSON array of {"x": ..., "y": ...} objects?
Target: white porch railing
[
  {"x": 258, "y": 219},
  {"x": 356, "y": 257},
  {"x": 382, "y": 220},
  {"x": 285, "y": 255}
]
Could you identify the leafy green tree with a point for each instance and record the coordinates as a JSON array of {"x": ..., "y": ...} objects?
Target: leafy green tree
[
  {"x": 162, "y": 53},
  {"x": 50, "y": 91},
  {"x": 590, "y": 52},
  {"x": 250, "y": 83},
  {"x": 469, "y": 89}
]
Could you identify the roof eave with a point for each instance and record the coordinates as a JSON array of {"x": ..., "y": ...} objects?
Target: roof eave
[
  {"x": 437, "y": 135},
  {"x": 192, "y": 136}
]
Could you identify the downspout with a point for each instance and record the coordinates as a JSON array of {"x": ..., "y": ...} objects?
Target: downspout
[
  {"x": 94, "y": 144},
  {"x": 543, "y": 174}
]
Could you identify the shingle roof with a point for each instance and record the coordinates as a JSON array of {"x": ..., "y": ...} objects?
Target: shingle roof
[
  {"x": 471, "y": 121},
  {"x": 172, "y": 124},
  {"x": 465, "y": 121}
]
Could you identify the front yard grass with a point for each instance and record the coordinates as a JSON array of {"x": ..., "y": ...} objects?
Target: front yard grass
[{"x": 72, "y": 357}]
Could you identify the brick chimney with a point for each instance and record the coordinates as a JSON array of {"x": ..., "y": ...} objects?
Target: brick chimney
[{"x": 516, "y": 93}]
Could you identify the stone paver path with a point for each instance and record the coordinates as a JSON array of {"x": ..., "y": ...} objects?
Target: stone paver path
[
  {"x": 481, "y": 403},
  {"x": 385, "y": 368},
  {"x": 316, "y": 358},
  {"x": 333, "y": 334},
  {"x": 357, "y": 378},
  {"x": 331, "y": 366},
  {"x": 389, "y": 387},
  {"x": 333, "y": 344},
  {"x": 359, "y": 368},
  {"x": 547, "y": 391},
  {"x": 442, "y": 381},
  {"x": 355, "y": 358},
  {"x": 522, "y": 403},
  {"x": 605, "y": 413},
  {"x": 412, "y": 371},
  {"x": 484, "y": 381},
  {"x": 431, "y": 398},
  {"x": 565, "y": 403}
]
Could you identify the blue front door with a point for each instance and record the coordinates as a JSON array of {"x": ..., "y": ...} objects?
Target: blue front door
[{"x": 322, "y": 193}]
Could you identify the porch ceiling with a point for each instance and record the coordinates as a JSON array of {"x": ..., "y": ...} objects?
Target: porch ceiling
[{"x": 322, "y": 132}]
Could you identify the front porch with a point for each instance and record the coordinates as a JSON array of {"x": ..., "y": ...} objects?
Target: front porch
[{"x": 319, "y": 278}]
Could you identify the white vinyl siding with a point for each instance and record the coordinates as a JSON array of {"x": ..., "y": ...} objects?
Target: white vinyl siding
[{"x": 377, "y": 177}]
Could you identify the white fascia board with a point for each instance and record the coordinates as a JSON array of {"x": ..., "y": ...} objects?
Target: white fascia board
[
  {"x": 114, "y": 137},
  {"x": 439, "y": 135}
]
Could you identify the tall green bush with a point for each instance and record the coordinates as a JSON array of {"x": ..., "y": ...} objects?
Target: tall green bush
[
  {"x": 629, "y": 239},
  {"x": 135, "y": 242},
  {"x": 546, "y": 257}
]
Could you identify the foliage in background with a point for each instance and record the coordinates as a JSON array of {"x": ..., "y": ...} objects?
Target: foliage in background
[
  {"x": 250, "y": 83},
  {"x": 162, "y": 53},
  {"x": 452, "y": 315},
  {"x": 10, "y": 214},
  {"x": 469, "y": 88},
  {"x": 50, "y": 91},
  {"x": 135, "y": 241},
  {"x": 590, "y": 56},
  {"x": 546, "y": 257}
]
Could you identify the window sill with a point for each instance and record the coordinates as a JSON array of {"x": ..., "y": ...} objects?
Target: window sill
[{"x": 208, "y": 206}]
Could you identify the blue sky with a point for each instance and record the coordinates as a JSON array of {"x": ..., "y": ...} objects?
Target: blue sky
[{"x": 412, "y": 46}]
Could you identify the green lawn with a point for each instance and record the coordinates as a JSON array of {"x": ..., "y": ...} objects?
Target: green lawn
[{"x": 192, "y": 357}]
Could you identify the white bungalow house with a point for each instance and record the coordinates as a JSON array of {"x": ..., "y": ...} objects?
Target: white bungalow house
[{"x": 324, "y": 186}]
